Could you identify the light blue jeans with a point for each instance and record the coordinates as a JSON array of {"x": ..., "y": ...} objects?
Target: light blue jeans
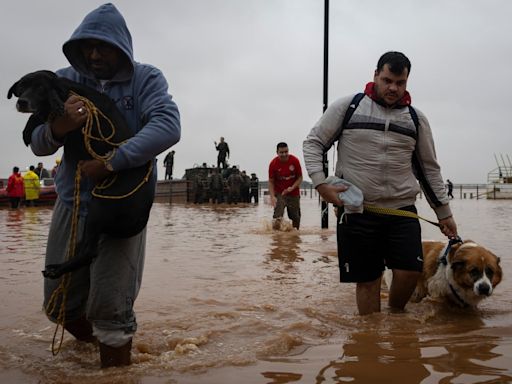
[{"x": 106, "y": 290}]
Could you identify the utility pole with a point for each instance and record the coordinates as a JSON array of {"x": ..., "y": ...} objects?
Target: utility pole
[{"x": 325, "y": 161}]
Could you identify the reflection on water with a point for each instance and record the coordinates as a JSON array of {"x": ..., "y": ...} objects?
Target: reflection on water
[
  {"x": 227, "y": 299},
  {"x": 402, "y": 349},
  {"x": 369, "y": 356},
  {"x": 428, "y": 346},
  {"x": 22, "y": 229},
  {"x": 285, "y": 248}
]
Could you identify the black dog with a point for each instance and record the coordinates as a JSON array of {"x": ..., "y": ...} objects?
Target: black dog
[{"x": 120, "y": 205}]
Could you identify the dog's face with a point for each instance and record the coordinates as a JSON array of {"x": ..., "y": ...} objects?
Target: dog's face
[
  {"x": 38, "y": 92},
  {"x": 474, "y": 268}
]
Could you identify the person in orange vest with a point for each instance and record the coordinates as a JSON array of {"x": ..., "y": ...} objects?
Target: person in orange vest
[
  {"x": 32, "y": 187},
  {"x": 15, "y": 188}
]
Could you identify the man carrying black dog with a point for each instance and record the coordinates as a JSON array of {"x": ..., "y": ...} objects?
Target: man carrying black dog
[{"x": 100, "y": 298}]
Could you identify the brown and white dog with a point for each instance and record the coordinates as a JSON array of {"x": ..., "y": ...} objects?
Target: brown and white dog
[{"x": 464, "y": 275}]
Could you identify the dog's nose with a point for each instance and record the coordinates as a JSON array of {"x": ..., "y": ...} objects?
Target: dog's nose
[
  {"x": 22, "y": 105},
  {"x": 484, "y": 289}
]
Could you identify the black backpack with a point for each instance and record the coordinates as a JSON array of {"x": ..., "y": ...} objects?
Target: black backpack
[
  {"x": 418, "y": 170},
  {"x": 355, "y": 103}
]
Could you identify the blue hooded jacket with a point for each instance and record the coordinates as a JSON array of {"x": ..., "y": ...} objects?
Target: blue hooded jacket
[{"x": 140, "y": 92}]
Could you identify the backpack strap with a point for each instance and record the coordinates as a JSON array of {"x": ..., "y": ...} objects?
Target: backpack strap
[
  {"x": 418, "y": 170},
  {"x": 415, "y": 120},
  {"x": 415, "y": 156},
  {"x": 350, "y": 110},
  {"x": 348, "y": 115}
]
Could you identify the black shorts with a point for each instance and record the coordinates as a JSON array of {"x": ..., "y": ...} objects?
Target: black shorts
[{"x": 368, "y": 242}]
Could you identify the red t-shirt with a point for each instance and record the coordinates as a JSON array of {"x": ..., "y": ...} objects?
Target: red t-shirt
[{"x": 285, "y": 174}]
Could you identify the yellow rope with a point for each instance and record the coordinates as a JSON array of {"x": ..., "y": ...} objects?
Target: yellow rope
[
  {"x": 143, "y": 181},
  {"x": 93, "y": 116},
  {"x": 62, "y": 289},
  {"x": 396, "y": 212}
]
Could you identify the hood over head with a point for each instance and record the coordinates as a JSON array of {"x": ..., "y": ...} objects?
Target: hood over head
[{"x": 105, "y": 23}]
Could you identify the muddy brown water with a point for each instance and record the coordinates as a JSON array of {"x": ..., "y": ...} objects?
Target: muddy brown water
[{"x": 227, "y": 300}]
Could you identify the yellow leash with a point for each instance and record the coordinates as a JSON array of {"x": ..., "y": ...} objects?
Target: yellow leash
[
  {"x": 396, "y": 212},
  {"x": 93, "y": 116}
]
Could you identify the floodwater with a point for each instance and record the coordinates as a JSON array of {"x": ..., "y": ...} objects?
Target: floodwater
[{"x": 227, "y": 300}]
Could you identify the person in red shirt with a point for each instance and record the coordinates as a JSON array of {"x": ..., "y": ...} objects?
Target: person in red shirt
[
  {"x": 284, "y": 179},
  {"x": 15, "y": 189}
]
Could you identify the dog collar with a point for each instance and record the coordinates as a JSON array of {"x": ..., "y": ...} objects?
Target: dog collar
[
  {"x": 459, "y": 299},
  {"x": 443, "y": 259}
]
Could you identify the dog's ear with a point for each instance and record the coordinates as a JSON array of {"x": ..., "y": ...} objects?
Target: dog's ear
[
  {"x": 458, "y": 265},
  {"x": 452, "y": 255},
  {"x": 56, "y": 103},
  {"x": 57, "y": 95},
  {"x": 33, "y": 122},
  {"x": 13, "y": 90},
  {"x": 498, "y": 274}
]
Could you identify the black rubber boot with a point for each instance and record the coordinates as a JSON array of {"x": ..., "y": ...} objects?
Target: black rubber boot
[
  {"x": 81, "y": 329},
  {"x": 115, "y": 357}
]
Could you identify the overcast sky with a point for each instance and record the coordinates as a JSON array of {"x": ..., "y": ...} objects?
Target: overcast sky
[{"x": 252, "y": 70}]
